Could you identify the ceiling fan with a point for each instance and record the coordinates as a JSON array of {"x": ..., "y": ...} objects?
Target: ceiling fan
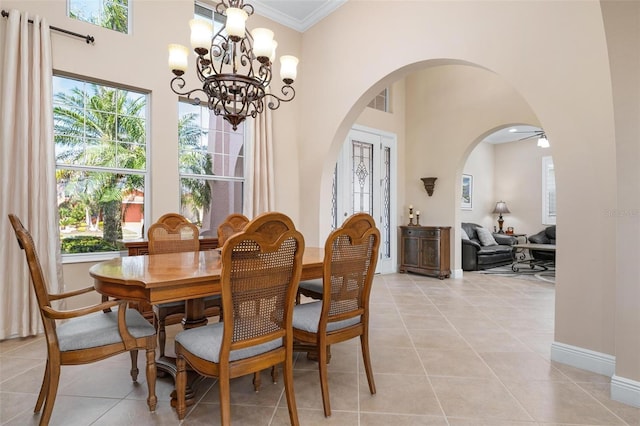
[{"x": 543, "y": 142}]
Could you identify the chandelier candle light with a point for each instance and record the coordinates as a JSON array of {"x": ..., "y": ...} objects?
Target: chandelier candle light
[{"x": 234, "y": 66}]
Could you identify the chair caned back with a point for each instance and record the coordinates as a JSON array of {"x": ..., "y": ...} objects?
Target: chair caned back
[
  {"x": 232, "y": 224},
  {"x": 173, "y": 233},
  {"x": 351, "y": 254},
  {"x": 261, "y": 268}
]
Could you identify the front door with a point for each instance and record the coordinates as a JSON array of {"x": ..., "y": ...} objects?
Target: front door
[{"x": 365, "y": 182}]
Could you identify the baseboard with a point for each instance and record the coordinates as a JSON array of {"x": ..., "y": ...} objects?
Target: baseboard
[
  {"x": 625, "y": 390},
  {"x": 583, "y": 359},
  {"x": 456, "y": 273}
]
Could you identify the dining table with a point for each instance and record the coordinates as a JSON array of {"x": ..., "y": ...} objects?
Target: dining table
[{"x": 169, "y": 277}]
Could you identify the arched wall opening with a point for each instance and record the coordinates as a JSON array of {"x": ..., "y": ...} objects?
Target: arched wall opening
[
  {"x": 571, "y": 96},
  {"x": 437, "y": 96}
]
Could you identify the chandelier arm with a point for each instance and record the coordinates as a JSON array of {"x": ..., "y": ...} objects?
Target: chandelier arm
[
  {"x": 274, "y": 101},
  {"x": 178, "y": 83}
]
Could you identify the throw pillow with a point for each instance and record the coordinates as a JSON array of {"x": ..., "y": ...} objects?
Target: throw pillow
[
  {"x": 485, "y": 237},
  {"x": 464, "y": 234}
]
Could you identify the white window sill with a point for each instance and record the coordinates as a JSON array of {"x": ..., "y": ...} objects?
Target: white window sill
[{"x": 91, "y": 257}]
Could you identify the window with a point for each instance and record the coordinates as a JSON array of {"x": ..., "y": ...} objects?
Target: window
[
  {"x": 112, "y": 14},
  {"x": 381, "y": 101},
  {"x": 212, "y": 167},
  {"x": 548, "y": 192},
  {"x": 100, "y": 135}
]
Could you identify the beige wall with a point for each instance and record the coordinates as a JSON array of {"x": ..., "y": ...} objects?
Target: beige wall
[
  {"x": 518, "y": 181},
  {"x": 470, "y": 67},
  {"x": 482, "y": 167},
  {"x": 563, "y": 76},
  {"x": 622, "y": 23}
]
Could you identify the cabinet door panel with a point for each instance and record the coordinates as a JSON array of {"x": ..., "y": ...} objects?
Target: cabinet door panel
[
  {"x": 430, "y": 253},
  {"x": 410, "y": 251}
]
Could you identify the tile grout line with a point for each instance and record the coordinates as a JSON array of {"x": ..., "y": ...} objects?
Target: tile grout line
[{"x": 424, "y": 369}]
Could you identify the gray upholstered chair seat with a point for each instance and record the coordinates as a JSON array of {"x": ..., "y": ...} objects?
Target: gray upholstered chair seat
[
  {"x": 307, "y": 316},
  {"x": 100, "y": 329},
  {"x": 204, "y": 342},
  {"x": 312, "y": 285}
]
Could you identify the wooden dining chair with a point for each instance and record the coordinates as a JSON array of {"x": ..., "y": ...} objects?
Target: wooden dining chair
[
  {"x": 261, "y": 267},
  {"x": 350, "y": 257},
  {"x": 232, "y": 224},
  {"x": 173, "y": 233},
  {"x": 84, "y": 335}
]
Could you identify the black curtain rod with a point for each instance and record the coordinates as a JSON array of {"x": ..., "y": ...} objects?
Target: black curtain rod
[{"x": 87, "y": 38}]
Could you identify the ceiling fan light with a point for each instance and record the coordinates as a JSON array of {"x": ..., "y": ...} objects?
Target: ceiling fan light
[{"x": 543, "y": 142}]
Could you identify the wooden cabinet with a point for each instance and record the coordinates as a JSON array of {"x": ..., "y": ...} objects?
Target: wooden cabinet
[{"x": 425, "y": 250}]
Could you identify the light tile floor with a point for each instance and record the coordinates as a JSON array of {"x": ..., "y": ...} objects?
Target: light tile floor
[{"x": 471, "y": 351}]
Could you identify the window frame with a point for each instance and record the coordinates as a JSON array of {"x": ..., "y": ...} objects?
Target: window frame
[
  {"x": 384, "y": 94},
  {"x": 247, "y": 142},
  {"x": 145, "y": 173},
  {"x": 548, "y": 190},
  {"x": 128, "y": 8}
]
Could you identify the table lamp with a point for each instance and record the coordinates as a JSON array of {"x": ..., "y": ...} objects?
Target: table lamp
[{"x": 501, "y": 207}]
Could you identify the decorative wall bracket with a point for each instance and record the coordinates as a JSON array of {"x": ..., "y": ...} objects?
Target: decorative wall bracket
[{"x": 429, "y": 184}]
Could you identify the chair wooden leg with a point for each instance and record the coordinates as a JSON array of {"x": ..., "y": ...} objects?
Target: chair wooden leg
[
  {"x": 288, "y": 388},
  {"x": 181, "y": 386},
  {"x": 364, "y": 342},
  {"x": 225, "y": 397},
  {"x": 274, "y": 374},
  {"x": 257, "y": 380},
  {"x": 43, "y": 389},
  {"x": 152, "y": 399},
  {"x": 52, "y": 389},
  {"x": 134, "y": 365},
  {"x": 324, "y": 382}
]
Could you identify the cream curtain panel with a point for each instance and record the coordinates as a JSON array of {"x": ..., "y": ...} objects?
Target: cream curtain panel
[
  {"x": 261, "y": 198},
  {"x": 27, "y": 170}
]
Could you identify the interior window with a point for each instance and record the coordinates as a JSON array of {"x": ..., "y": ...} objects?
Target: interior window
[{"x": 381, "y": 101}]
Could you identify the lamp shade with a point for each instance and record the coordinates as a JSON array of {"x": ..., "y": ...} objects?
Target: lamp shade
[
  {"x": 501, "y": 207},
  {"x": 262, "y": 42},
  {"x": 288, "y": 68},
  {"x": 178, "y": 55},
  {"x": 201, "y": 33},
  {"x": 236, "y": 21}
]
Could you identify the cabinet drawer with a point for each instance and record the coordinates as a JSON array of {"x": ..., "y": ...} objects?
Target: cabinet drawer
[{"x": 422, "y": 233}]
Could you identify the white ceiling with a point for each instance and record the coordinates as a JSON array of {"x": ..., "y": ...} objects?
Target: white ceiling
[
  {"x": 512, "y": 134},
  {"x": 297, "y": 14}
]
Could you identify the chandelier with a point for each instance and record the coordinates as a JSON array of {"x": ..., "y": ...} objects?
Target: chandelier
[{"x": 234, "y": 66}]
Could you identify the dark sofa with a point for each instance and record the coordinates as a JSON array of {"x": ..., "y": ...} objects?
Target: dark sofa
[
  {"x": 476, "y": 256},
  {"x": 546, "y": 236}
]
